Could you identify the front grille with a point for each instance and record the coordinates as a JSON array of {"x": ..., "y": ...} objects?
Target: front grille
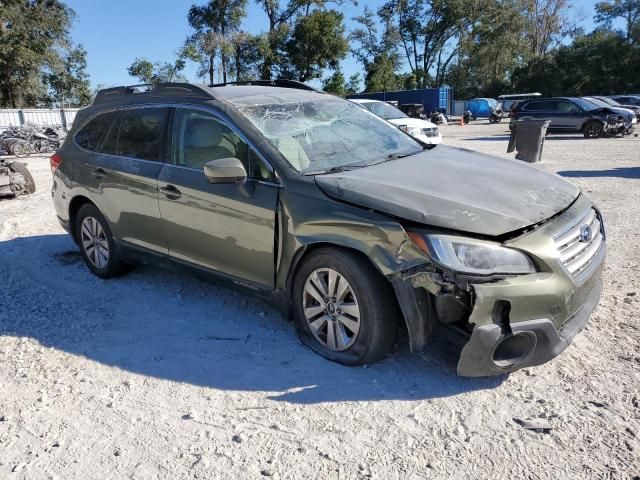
[
  {"x": 576, "y": 252},
  {"x": 430, "y": 132}
]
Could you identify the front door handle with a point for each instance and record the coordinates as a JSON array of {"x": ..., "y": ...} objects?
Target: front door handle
[
  {"x": 99, "y": 172},
  {"x": 171, "y": 192}
]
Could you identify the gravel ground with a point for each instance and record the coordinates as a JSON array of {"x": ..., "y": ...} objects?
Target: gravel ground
[{"x": 159, "y": 375}]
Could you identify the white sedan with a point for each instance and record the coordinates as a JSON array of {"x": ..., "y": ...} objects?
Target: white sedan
[{"x": 418, "y": 128}]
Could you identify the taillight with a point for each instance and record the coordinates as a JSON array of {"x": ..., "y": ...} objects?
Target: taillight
[{"x": 55, "y": 162}]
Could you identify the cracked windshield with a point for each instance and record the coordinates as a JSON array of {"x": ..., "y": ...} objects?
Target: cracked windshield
[{"x": 329, "y": 135}]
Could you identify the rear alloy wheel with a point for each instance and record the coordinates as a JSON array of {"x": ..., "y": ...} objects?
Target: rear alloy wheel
[
  {"x": 593, "y": 129},
  {"x": 96, "y": 243},
  {"x": 343, "y": 308}
]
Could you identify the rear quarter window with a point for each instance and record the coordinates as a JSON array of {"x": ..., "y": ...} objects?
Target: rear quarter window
[{"x": 92, "y": 132}]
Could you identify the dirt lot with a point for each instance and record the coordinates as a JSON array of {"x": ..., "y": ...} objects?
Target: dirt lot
[{"x": 159, "y": 375}]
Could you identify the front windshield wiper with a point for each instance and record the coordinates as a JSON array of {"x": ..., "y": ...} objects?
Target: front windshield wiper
[
  {"x": 336, "y": 169},
  {"x": 394, "y": 156}
]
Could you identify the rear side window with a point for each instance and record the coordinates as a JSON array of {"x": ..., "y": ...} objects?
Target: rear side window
[
  {"x": 542, "y": 106},
  {"x": 92, "y": 132},
  {"x": 141, "y": 133}
]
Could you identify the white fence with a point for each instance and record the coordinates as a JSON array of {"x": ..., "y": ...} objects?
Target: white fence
[{"x": 37, "y": 116}]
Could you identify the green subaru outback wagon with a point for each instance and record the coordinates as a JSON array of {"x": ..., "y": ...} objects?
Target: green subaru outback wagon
[{"x": 349, "y": 225}]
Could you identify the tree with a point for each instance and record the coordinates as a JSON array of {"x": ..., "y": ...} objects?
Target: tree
[
  {"x": 317, "y": 42},
  {"x": 628, "y": 10},
  {"x": 32, "y": 35},
  {"x": 353, "y": 84},
  {"x": 152, "y": 73},
  {"x": 68, "y": 80},
  {"x": 428, "y": 30},
  {"x": 601, "y": 62},
  {"x": 546, "y": 24},
  {"x": 246, "y": 54},
  {"x": 377, "y": 53},
  {"x": 335, "y": 84},
  {"x": 280, "y": 16},
  {"x": 214, "y": 23}
]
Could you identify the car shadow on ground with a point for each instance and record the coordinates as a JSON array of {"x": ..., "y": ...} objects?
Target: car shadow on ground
[
  {"x": 505, "y": 138},
  {"x": 168, "y": 325},
  {"x": 619, "y": 172}
]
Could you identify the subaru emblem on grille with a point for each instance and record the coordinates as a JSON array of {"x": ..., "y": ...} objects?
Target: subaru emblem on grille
[{"x": 586, "y": 233}]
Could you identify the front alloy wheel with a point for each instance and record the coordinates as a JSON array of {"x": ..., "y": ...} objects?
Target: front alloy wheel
[
  {"x": 343, "y": 308},
  {"x": 331, "y": 309}
]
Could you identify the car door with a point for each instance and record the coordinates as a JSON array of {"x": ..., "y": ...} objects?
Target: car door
[
  {"x": 570, "y": 116},
  {"x": 123, "y": 175},
  {"x": 227, "y": 227}
]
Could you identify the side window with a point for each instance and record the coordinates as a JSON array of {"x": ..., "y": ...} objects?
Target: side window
[
  {"x": 566, "y": 107},
  {"x": 110, "y": 143},
  {"x": 199, "y": 137},
  {"x": 92, "y": 132},
  {"x": 141, "y": 133},
  {"x": 538, "y": 106}
]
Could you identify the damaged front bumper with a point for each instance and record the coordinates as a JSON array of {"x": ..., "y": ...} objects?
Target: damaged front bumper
[
  {"x": 505, "y": 324},
  {"x": 492, "y": 351}
]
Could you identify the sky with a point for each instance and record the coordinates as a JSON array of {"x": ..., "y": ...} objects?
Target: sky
[{"x": 115, "y": 32}]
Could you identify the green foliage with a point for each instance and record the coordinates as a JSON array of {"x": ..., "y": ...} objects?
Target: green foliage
[
  {"x": 68, "y": 80},
  {"x": 153, "y": 73},
  {"x": 353, "y": 84},
  {"x": 34, "y": 43},
  {"x": 600, "y": 63},
  {"x": 627, "y": 10},
  {"x": 317, "y": 42},
  {"x": 335, "y": 84},
  {"x": 214, "y": 24},
  {"x": 380, "y": 75}
]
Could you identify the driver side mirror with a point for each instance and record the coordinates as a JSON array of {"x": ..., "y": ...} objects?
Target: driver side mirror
[{"x": 225, "y": 170}]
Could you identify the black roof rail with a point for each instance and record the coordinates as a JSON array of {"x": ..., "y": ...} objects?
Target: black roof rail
[
  {"x": 280, "y": 82},
  {"x": 108, "y": 94}
]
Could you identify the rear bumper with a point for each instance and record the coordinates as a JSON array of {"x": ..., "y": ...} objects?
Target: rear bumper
[{"x": 547, "y": 342}]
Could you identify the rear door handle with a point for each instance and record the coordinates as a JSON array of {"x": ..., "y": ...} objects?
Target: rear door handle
[
  {"x": 98, "y": 172},
  {"x": 171, "y": 192}
]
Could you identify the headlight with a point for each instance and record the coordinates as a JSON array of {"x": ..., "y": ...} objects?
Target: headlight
[
  {"x": 413, "y": 131},
  {"x": 477, "y": 257}
]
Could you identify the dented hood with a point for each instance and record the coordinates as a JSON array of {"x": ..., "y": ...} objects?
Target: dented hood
[{"x": 456, "y": 189}]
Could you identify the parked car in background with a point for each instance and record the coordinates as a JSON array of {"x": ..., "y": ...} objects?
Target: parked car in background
[
  {"x": 627, "y": 99},
  {"x": 353, "y": 228},
  {"x": 507, "y": 102},
  {"x": 574, "y": 114},
  {"x": 423, "y": 130},
  {"x": 613, "y": 103}
]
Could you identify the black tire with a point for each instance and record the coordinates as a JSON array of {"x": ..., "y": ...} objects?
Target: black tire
[
  {"x": 114, "y": 265},
  {"x": 593, "y": 129},
  {"x": 378, "y": 309},
  {"x": 492, "y": 119},
  {"x": 21, "y": 149},
  {"x": 29, "y": 184}
]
